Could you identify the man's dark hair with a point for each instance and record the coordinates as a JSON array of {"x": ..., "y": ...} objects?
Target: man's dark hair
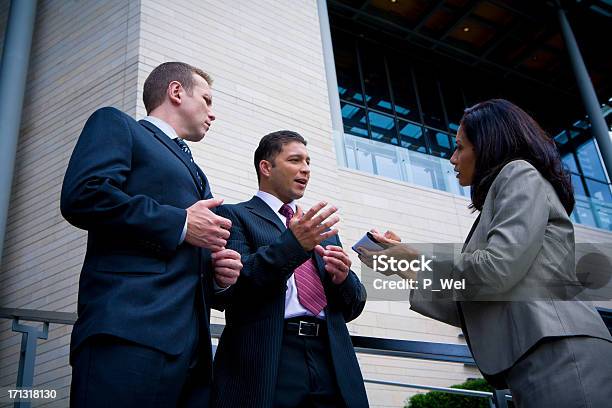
[
  {"x": 502, "y": 132},
  {"x": 272, "y": 144},
  {"x": 156, "y": 84}
]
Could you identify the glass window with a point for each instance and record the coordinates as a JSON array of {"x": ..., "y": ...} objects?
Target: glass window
[
  {"x": 604, "y": 216},
  {"x": 388, "y": 167},
  {"x": 427, "y": 172},
  {"x": 607, "y": 112},
  {"x": 347, "y": 70},
  {"x": 412, "y": 136},
  {"x": 570, "y": 162},
  {"x": 582, "y": 124},
  {"x": 350, "y": 158},
  {"x": 584, "y": 215},
  {"x": 375, "y": 79},
  {"x": 589, "y": 161},
  {"x": 561, "y": 138},
  {"x": 453, "y": 101},
  {"x": 354, "y": 120},
  {"x": 429, "y": 95},
  {"x": 383, "y": 128},
  {"x": 600, "y": 191},
  {"x": 403, "y": 90},
  {"x": 439, "y": 143},
  {"x": 578, "y": 186},
  {"x": 364, "y": 160}
]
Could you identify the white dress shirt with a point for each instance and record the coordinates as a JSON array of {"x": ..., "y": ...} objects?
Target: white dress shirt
[{"x": 293, "y": 307}]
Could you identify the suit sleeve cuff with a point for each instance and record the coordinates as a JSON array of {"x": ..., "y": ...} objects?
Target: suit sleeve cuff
[
  {"x": 184, "y": 233},
  {"x": 219, "y": 289}
]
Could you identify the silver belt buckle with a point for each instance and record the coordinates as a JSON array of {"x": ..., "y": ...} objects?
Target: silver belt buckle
[{"x": 306, "y": 324}]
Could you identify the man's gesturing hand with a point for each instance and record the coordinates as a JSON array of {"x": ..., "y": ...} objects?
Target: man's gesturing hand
[
  {"x": 309, "y": 228},
  {"x": 227, "y": 267},
  {"x": 206, "y": 229},
  {"x": 337, "y": 262}
]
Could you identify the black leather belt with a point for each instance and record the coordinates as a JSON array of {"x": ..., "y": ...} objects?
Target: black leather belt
[{"x": 306, "y": 327}]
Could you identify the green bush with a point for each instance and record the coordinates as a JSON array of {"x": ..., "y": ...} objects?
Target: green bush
[{"x": 438, "y": 399}]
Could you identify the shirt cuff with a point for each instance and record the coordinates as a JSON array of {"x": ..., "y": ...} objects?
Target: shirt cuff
[
  {"x": 219, "y": 289},
  {"x": 184, "y": 233}
]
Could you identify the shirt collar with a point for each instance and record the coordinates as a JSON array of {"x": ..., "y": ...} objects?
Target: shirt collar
[
  {"x": 274, "y": 202},
  {"x": 162, "y": 125}
]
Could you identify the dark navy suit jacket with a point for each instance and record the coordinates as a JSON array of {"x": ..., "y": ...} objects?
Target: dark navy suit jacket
[
  {"x": 128, "y": 185},
  {"x": 248, "y": 355}
]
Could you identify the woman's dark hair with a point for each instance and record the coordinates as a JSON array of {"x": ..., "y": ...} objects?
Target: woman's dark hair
[{"x": 502, "y": 132}]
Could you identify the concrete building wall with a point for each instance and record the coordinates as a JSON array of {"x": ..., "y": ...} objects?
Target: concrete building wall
[{"x": 266, "y": 60}]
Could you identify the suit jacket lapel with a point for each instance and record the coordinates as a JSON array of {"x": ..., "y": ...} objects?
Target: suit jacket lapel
[
  {"x": 206, "y": 194},
  {"x": 258, "y": 207},
  {"x": 467, "y": 240},
  {"x": 170, "y": 144}
]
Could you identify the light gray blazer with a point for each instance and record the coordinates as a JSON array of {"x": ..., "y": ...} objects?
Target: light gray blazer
[{"x": 521, "y": 230}]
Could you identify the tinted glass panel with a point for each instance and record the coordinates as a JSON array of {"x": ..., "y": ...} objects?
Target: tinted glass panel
[
  {"x": 570, "y": 163},
  {"x": 388, "y": 167},
  {"x": 439, "y": 143},
  {"x": 364, "y": 160},
  {"x": 561, "y": 139},
  {"x": 578, "y": 186},
  {"x": 429, "y": 95},
  {"x": 584, "y": 214},
  {"x": 604, "y": 215},
  {"x": 375, "y": 80},
  {"x": 589, "y": 161},
  {"x": 426, "y": 173},
  {"x": 453, "y": 101},
  {"x": 403, "y": 90},
  {"x": 600, "y": 191},
  {"x": 350, "y": 158},
  {"x": 412, "y": 136},
  {"x": 347, "y": 70},
  {"x": 383, "y": 128},
  {"x": 354, "y": 120}
]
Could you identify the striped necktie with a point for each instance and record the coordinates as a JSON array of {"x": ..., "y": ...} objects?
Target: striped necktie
[
  {"x": 309, "y": 287},
  {"x": 181, "y": 143}
]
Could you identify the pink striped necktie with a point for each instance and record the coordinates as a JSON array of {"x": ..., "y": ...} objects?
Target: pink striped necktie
[{"x": 309, "y": 287}]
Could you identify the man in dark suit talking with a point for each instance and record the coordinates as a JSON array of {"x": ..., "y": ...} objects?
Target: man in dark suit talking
[
  {"x": 285, "y": 343},
  {"x": 155, "y": 249}
]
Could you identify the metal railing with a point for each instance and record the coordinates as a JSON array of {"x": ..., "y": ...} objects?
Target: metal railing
[
  {"x": 422, "y": 350},
  {"x": 366, "y": 345}
]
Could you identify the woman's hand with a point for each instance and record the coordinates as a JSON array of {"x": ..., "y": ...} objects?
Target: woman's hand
[
  {"x": 394, "y": 249},
  {"x": 388, "y": 237}
]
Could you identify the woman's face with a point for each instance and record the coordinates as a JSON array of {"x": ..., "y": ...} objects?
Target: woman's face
[{"x": 464, "y": 159}]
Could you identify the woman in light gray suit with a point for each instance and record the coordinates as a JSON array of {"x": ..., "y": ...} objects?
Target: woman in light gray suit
[{"x": 548, "y": 352}]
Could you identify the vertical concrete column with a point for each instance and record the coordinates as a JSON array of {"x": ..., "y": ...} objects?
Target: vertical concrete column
[
  {"x": 332, "y": 83},
  {"x": 13, "y": 74},
  {"x": 587, "y": 92}
]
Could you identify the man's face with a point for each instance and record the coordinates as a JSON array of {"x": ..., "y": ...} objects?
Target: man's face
[
  {"x": 290, "y": 172},
  {"x": 195, "y": 111},
  {"x": 464, "y": 159}
]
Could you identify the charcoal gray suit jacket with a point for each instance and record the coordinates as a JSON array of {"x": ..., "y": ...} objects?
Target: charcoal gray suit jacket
[{"x": 522, "y": 239}]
